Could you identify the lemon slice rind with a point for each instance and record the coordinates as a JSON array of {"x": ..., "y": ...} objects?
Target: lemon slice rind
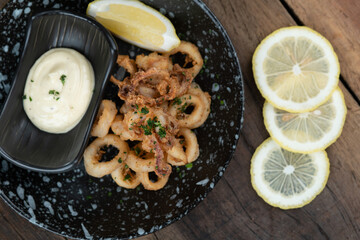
[
  {"x": 259, "y": 76},
  {"x": 275, "y": 199},
  {"x": 328, "y": 138}
]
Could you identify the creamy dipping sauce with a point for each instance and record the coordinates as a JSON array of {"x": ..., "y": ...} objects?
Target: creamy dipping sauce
[{"x": 58, "y": 90}]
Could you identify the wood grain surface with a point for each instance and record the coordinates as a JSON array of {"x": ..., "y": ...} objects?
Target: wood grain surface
[{"x": 233, "y": 210}]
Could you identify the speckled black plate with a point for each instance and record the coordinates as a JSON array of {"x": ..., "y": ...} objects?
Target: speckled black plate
[{"x": 76, "y": 205}]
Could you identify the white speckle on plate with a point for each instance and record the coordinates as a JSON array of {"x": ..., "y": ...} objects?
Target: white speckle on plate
[
  {"x": 4, "y": 163},
  {"x": 6, "y": 48},
  {"x": 46, "y": 179},
  {"x": 203, "y": 182},
  {"x": 20, "y": 192},
  {"x": 215, "y": 87},
  {"x": 72, "y": 211},
  {"x": 16, "y": 13},
  {"x": 15, "y": 49},
  {"x": 49, "y": 206},
  {"x": 86, "y": 232},
  {"x": 141, "y": 231},
  {"x": 31, "y": 202}
]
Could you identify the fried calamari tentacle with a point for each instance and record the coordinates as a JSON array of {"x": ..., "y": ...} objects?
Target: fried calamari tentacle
[
  {"x": 153, "y": 60},
  {"x": 127, "y": 63},
  {"x": 93, "y": 154},
  {"x": 151, "y": 87},
  {"x": 104, "y": 118}
]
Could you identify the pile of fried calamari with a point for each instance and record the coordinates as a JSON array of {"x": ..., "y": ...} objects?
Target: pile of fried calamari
[{"x": 162, "y": 105}]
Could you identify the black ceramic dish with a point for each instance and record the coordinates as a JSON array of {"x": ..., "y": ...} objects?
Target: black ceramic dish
[
  {"x": 21, "y": 142},
  {"x": 76, "y": 205}
]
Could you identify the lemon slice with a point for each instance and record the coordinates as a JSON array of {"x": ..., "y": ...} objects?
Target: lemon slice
[
  {"x": 309, "y": 131},
  {"x": 135, "y": 23},
  {"x": 288, "y": 180},
  {"x": 296, "y": 69}
]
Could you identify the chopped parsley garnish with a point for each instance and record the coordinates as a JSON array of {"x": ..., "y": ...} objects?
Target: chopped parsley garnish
[
  {"x": 31, "y": 80},
  {"x": 55, "y": 94},
  {"x": 109, "y": 194},
  {"x": 137, "y": 151},
  {"x": 136, "y": 106},
  {"x": 183, "y": 73},
  {"x": 127, "y": 177},
  {"x": 181, "y": 141},
  {"x": 144, "y": 110},
  {"x": 120, "y": 160},
  {"x": 62, "y": 79},
  {"x": 189, "y": 165},
  {"x": 30, "y": 98},
  {"x": 147, "y": 130},
  {"x": 88, "y": 197},
  {"x": 222, "y": 102},
  {"x": 184, "y": 107},
  {"x": 126, "y": 166},
  {"x": 177, "y": 169},
  {"x": 177, "y": 101},
  {"x": 24, "y": 97},
  {"x": 162, "y": 132}
]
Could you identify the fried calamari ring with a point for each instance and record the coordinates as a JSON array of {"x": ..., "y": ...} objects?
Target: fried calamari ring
[
  {"x": 192, "y": 55},
  {"x": 151, "y": 88},
  {"x": 104, "y": 118},
  {"x": 179, "y": 106},
  {"x": 177, "y": 152},
  {"x": 153, "y": 60},
  {"x": 125, "y": 178},
  {"x": 150, "y": 185},
  {"x": 141, "y": 161},
  {"x": 191, "y": 145},
  {"x": 93, "y": 154}
]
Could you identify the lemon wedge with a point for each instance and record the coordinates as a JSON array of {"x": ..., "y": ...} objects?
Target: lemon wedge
[
  {"x": 288, "y": 180},
  {"x": 136, "y": 23},
  {"x": 309, "y": 131},
  {"x": 296, "y": 69}
]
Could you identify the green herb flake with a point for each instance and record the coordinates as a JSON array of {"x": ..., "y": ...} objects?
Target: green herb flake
[
  {"x": 120, "y": 160},
  {"x": 183, "y": 73},
  {"x": 137, "y": 151},
  {"x": 182, "y": 141},
  {"x": 127, "y": 177},
  {"x": 222, "y": 102},
  {"x": 88, "y": 197},
  {"x": 177, "y": 169},
  {"x": 109, "y": 194},
  {"x": 30, "y": 99},
  {"x": 24, "y": 97},
  {"x": 162, "y": 132},
  {"x": 31, "y": 80},
  {"x": 126, "y": 166},
  {"x": 62, "y": 79},
  {"x": 144, "y": 110},
  {"x": 189, "y": 165},
  {"x": 177, "y": 101}
]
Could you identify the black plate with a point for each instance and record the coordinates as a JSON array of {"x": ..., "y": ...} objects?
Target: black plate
[{"x": 76, "y": 205}]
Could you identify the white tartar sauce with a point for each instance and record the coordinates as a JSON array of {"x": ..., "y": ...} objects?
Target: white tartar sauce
[{"x": 58, "y": 90}]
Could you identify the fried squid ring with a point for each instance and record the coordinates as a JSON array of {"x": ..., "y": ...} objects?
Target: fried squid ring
[
  {"x": 191, "y": 145},
  {"x": 141, "y": 161},
  {"x": 153, "y": 60},
  {"x": 150, "y": 185},
  {"x": 192, "y": 55},
  {"x": 177, "y": 152},
  {"x": 205, "y": 97},
  {"x": 93, "y": 154},
  {"x": 151, "y": 88},
  {"x": 104, "y": 118},
  {"x": 125, "y": 178},
  {"x": 192, "y": 120}
]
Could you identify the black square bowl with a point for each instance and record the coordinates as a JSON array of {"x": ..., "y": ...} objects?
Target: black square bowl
[{"x": 20, "y": 141}]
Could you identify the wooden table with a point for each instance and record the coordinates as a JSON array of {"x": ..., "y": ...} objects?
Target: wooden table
[{"x": 233, "y": 210}]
